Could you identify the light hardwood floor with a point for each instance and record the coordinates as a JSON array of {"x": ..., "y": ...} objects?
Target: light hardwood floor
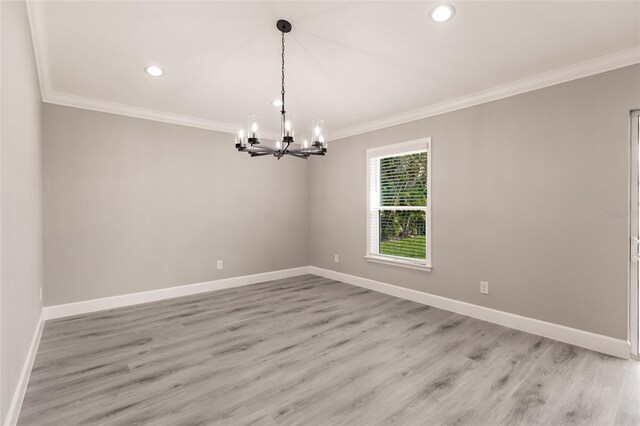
[{"x": 311, "y": 351}]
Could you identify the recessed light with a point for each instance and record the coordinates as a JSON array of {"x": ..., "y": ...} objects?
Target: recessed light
[
  {"x": 277, "y": 103},
  {"x": 153, "y": 70},
  {"x": 442, "y": 12}
]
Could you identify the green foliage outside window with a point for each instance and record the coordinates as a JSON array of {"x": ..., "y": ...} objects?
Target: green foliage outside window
[{"x": 403, "y": 183}]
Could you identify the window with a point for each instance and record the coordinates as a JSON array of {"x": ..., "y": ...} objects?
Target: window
[{"x": 399, "y": 204}]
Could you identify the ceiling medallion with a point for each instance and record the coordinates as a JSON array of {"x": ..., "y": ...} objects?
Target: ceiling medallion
[{"x": 248, "y": 139}]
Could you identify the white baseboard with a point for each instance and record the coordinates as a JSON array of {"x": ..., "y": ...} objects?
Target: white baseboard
[
  {"x": 94, "y": 305},
  {"x": 25, "y": 373},
  {"x": 597, "y": 342}
]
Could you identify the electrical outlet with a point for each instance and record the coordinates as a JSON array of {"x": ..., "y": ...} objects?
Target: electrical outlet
[
  {"x": 336, "y": 258},
  {"x": 484, "y": 287},
  {"x": 219, "y": 264}
]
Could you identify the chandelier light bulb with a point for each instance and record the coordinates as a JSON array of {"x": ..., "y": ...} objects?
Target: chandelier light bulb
[
  {"x": 288, "y": 132},
  {"x": 253, "y": 130},
  {"x": 278, "y": 144},
  {"x": 305, "y": 141},
  {"x": 318, "y": 131},
  {"x": 241, "y": 138}
]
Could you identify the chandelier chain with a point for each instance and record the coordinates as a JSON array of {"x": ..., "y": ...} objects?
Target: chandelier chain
[{"x": 282, "y": 92}]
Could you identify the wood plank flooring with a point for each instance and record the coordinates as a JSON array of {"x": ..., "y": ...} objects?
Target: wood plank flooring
[{"x": 311, "y": 351}]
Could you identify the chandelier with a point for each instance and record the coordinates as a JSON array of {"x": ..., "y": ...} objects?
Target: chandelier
[{"x": 248, "y": 138}]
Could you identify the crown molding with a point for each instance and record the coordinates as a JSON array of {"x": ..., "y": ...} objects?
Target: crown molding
[
  {"x": 39, "y": 45},
  {"x": 561, "y": 75},
  {"x": 100, "y": 105}
]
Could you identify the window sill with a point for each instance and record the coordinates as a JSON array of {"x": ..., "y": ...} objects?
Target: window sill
[{"x": 398, "y": 262}]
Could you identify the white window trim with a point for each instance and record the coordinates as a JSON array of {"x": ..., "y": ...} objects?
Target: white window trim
[{"x": 401, "y": 149}]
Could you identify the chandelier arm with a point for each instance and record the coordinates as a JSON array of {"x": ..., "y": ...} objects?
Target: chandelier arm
[
  {"x": 305, "y": 150},
  {"x": 261, "y": 149},
  {"x": 284, "y": 150},
  {"x": 298, "y": 151},
  {"x": 294, "y": 154}
]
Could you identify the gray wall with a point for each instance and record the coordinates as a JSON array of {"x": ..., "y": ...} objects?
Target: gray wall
[
  {"x": 21, "y": 198},
  {"x": 521, "y": 190},
  {"x": 521, "y": 187},
  {"x": 133, "y": 205}
]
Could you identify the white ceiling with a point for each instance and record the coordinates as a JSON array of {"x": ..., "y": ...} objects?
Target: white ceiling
[{"x": 347, "y": 62}]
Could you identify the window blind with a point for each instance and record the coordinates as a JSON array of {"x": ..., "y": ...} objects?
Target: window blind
[{"x": 403, "y": 180}]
